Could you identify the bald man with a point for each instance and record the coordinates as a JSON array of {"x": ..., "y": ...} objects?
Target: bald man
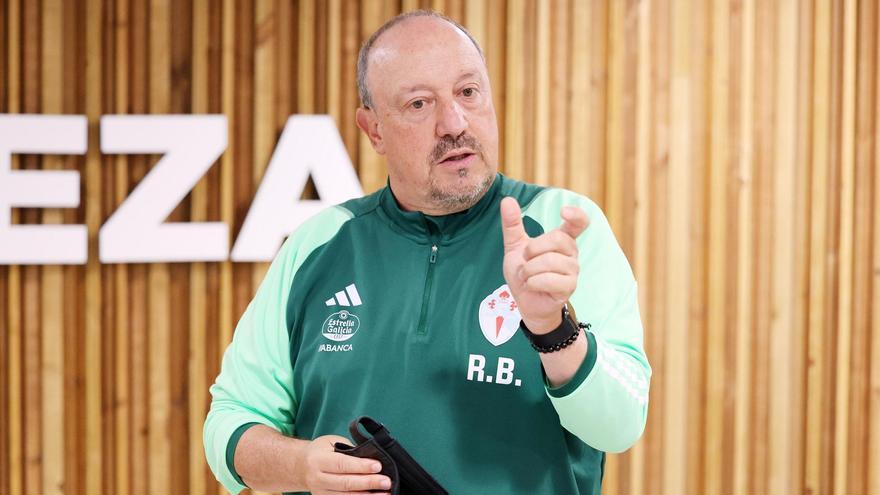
[{"x": 442, "y": 305}]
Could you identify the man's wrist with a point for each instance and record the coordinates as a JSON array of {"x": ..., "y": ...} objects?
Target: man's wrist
[
  {"x": 297, "y": 457},
  {"x": 561, "y": 367},
  {"x": 545, "y": 326},
  {"x": 560, "y": 337},
  {"x": 269, "y": 461}
]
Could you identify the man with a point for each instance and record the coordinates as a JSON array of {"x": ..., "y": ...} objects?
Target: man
[{"x": 405, "y": 305}]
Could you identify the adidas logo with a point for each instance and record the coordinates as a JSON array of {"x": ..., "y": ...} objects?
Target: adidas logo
[{"x": 347, "y": 297}]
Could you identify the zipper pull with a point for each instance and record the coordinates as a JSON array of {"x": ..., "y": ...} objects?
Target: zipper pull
[{"x": 433, "y": 254}]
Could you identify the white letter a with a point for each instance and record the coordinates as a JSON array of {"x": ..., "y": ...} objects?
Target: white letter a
[{"x": 309, "y": 144}]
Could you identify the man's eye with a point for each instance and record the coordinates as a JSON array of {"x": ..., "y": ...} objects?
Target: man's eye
[
  {"x": 468, "y": 92},
  {"x": 418, "y": 104}
]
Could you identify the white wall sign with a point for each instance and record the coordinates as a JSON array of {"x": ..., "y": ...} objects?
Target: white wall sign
[
  {"x": 310, "y": 144},
  {"x": 47, "y": 135},
  {"x": 137, "y": 232}
]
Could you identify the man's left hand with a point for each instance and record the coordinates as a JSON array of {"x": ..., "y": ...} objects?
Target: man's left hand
[{"x": 541, "y": 271}]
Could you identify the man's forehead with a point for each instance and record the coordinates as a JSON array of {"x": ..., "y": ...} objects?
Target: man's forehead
[
  {"x": 421, "y": 53},
  {"x": 418, "y": 36},
  {"x": 420, "y": 28}
]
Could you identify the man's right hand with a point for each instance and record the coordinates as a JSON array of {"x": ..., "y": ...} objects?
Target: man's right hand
[
  {"x": 328, "y": 472},
  {"x": 268, "y": 461}
]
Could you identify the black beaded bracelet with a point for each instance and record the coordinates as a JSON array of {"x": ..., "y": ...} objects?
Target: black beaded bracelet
[{"x": 560, "y": 338}]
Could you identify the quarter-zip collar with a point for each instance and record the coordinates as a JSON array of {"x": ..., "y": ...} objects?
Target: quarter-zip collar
[{"x": 443, "y": 228}]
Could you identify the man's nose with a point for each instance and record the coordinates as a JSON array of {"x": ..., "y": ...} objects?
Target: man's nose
[{"x": 451, "y": 121}]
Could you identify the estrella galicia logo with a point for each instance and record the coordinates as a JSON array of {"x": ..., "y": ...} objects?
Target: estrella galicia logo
[{"x": 340, "y": 326}]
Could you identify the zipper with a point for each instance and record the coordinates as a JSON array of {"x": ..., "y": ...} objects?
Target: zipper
[{"x": 429, "y": 282}]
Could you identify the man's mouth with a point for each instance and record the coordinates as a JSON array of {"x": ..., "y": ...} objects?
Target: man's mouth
[{"x": 456, "y": 157}]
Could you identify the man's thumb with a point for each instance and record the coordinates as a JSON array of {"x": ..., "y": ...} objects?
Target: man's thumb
[{"x": 511, "y": 223}]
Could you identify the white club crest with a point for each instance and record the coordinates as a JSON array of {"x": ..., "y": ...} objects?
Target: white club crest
[{"x": 499, "y": 316}]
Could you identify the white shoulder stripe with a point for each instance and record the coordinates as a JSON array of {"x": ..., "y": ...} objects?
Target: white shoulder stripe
[{"x": 624, "y": 373}]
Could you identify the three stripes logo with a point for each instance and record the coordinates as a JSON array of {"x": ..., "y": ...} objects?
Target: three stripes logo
[{"x": 347, "y": 297}]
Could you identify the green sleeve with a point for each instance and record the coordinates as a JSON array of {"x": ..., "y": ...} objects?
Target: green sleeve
[
  {"x": 255, "y": 384},
  {"x": 606, "y": 403}
]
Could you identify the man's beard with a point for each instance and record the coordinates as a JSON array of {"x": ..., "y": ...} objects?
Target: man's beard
[
  {"x": 460, "y": 198},
  {"x": 453, "y": 199}
]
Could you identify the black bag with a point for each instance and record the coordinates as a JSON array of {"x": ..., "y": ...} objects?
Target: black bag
[{"x": 407, "y": 476}]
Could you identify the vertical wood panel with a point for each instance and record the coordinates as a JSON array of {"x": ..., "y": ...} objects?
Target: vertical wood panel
[
  {"x": 159, "y": 275},
  {"x": 718, "y": 255},
  {"x": 72, "y": 277},
  {"x": 51, "y": 288},
  {"x": 677, "y": 333},
  {"x": 695, "y": 23},
  {"x": 597, "y": 97},
  {"x": 179, "y": 85},
  {"x": 742, "y": 157},
  {"x": 559, "y": 92},
  {"x": 863, "y": 156},
  {"x": 818, "y": 346},
  {"x": 284, "y": 59},
  {"x": 227, "y": 205},
  {"x": 15, "y": 397},
  {"x": 800, "y": 290},
  {"x": 641, "y": 204},
  {"x": 348, "y": 82},
  {"x": 4, "y": 61},
  {"x": 4, "y": 378},
  {"x": 306, "y": 57},
  {"x": 197, "y": 393},
  {"x": 93, "y": 355},
  {"x": 122, "y": 394},
  {"x": 266, "y": 92},
  {"x": 655, "y": 313},
  {"x": 763, "y": 224},
  {"x": 333, "y": 61},
  {"x": 15, "y": 393},
  {"x": 613, "y": 143},
  {"x": 614, "y": 118},
  {"x": 626, "y": 222},
  {"x": 243, "y": 132},
  {"x": 732, "y": 145},
  {"x": 782, "y": 323},
  {"x": 197, "y": 396},
  {"x": 844, "y": 299},
  {"x": 873, "y": 460},
  {"x": 370, "y": 165},
  {"x": 514, "y": 82},
  {"x": 541, "y": 159},
  {"x": 32, "y": 384},
  {"x": 139, "y": 427},
  {"x": 578, "y": 150}
]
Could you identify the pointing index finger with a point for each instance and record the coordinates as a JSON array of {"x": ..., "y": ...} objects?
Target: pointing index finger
[{"x": 512, "y": 229}]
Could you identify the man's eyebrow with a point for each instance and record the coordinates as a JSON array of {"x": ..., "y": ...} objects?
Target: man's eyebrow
[
  {"x": 428, "y": 87},
  {"x": 417, "y": 87},
  {"x": 468, "y": 75}
]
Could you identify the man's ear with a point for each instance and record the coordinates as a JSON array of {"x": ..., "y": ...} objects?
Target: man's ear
[{"x": 366, "y": 120}]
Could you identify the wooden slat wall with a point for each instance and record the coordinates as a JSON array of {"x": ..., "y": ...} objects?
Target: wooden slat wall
[{"x": 732, "y": 144}]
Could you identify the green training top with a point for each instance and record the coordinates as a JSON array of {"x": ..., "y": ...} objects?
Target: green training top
[{"x": 372, "y": 310}]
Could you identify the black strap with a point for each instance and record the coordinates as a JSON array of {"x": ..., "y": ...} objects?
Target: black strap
[{"x": 375, "y": 429}]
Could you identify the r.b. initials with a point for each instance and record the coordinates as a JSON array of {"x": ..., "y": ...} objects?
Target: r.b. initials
[{"x": 503, "y": 371}]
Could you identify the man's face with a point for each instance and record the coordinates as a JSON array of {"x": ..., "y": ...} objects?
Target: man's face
[{"x": 432, "y": 115}]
